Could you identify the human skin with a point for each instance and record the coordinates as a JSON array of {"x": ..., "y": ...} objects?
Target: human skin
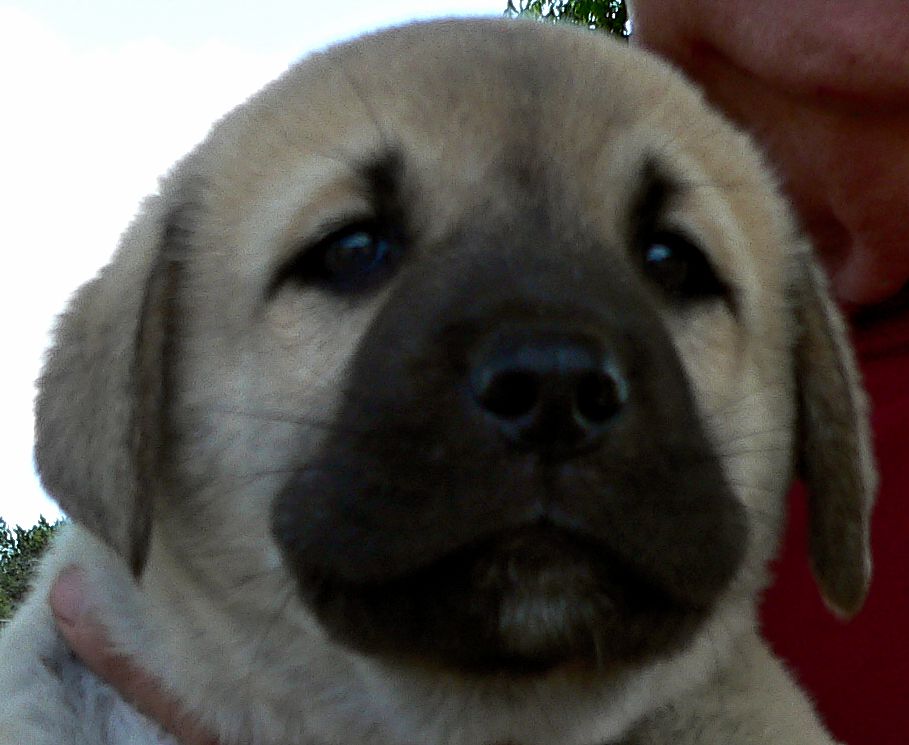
[
  {"x": 74, "y": 611},
  {"x": 824, "y": 87},
  {"x": 827, "y": 93}
]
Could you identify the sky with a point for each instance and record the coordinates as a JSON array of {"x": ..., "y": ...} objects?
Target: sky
[{"x": 97, "y": 99}]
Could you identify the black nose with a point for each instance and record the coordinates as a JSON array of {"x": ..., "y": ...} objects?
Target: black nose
[{"x": 552, "y": 392}]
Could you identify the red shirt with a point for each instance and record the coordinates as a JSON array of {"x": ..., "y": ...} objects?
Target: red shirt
[{"x": 858, "y": 671}]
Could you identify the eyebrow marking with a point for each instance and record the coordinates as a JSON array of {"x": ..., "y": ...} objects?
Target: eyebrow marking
[
  {"x": 383, "y": 176},
  {"x": 651, "y": 198}
]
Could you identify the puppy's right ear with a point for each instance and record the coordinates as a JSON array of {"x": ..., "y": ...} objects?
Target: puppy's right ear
[{"x": 99, "y": 393}]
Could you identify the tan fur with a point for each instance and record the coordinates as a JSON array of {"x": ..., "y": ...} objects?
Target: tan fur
[{"x": 213, "y": 610}]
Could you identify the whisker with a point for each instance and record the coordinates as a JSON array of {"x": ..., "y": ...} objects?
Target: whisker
[{"x": 754, "y": 434}]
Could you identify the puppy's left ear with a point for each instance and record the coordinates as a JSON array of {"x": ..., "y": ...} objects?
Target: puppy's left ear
[{"x": 834, "y": 446}]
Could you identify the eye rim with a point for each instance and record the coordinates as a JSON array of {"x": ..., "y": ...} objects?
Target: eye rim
[
  {"x": 311, "y": 265},
  {"x": 700, "y": 282}
]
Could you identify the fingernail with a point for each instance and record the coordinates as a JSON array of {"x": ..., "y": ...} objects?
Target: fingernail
[{"x": 67, "y": 596}]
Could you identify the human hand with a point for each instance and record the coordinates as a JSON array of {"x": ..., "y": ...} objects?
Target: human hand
[{"x": 70, "y": 601}]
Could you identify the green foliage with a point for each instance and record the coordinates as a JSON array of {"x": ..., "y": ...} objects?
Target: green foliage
[
  {"x": 607, "y": 15},
  {"x": 20, "y": 550}
]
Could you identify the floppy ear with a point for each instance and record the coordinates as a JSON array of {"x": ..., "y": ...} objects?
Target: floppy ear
[
  {"x": 99, "y": 395},
  {"x": 835, "y": 458}
]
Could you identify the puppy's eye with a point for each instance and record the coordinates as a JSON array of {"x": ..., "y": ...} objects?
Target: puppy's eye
[
  {"x": 352, "y": 258},
  {"x": 353, "y": 255},
  {"x": 679, "y": 268}
]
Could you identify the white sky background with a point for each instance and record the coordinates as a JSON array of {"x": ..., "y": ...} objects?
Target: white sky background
[{"x": 97, "y": 99}]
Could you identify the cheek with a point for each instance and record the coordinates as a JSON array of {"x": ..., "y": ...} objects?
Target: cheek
[
  {"x": 710, "y": 346},
  {"x": 305, "y": 341},
  {"x": 743, "y": 388},
  {"x": 253, "y": 407},
  {"x": 753, "y": 427}
]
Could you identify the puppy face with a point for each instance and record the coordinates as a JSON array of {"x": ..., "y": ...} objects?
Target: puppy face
[
  {"x": 488, "y": 342},
  {"x": 489, "y": 369}
]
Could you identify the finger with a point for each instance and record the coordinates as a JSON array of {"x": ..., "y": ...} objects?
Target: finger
[{"x": 69, "y": 600}]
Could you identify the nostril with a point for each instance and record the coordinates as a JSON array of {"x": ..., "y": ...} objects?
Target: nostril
[
  {"x": 509, "y": 394},
  {"x": 550, "y": 391},
  {"x": 598, "y": 398}
]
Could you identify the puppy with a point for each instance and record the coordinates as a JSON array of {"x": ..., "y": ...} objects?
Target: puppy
[{"x": 449, "y": 394}]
